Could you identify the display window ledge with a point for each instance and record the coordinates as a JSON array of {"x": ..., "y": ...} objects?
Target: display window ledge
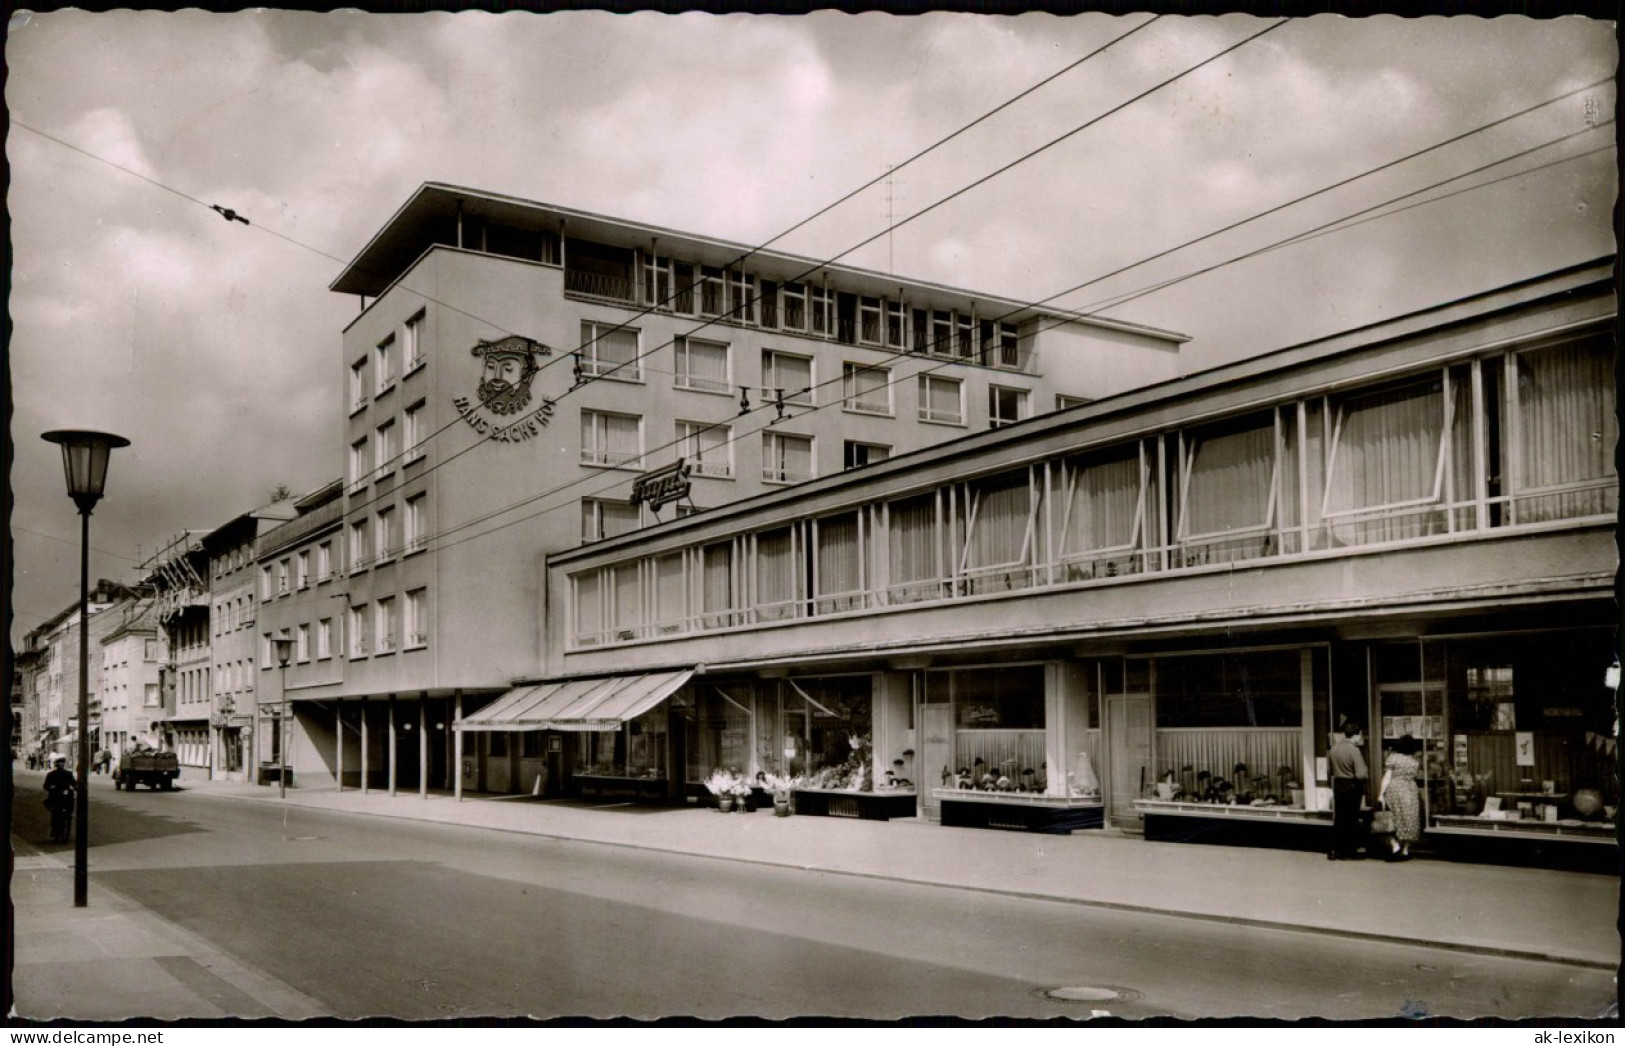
[
  {"x": 1291, "y": 814},
  {"x": 1576, "y": 831},
  {"x": 1060, "y": 802}
]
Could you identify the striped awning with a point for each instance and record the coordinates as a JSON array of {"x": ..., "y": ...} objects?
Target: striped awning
[{"x": 601, "y": 703}]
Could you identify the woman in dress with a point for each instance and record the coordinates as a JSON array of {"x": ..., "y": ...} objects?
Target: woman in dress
[{"x": 1400, "y": 771}]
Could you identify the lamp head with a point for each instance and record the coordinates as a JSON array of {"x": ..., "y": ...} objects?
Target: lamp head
[
  {"x": 284, "y": 650},
  {"x": 84, "y": 460}
]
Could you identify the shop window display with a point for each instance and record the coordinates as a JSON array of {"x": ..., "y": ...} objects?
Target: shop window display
[
  {"x": 1230, "y": 726},
  {"x": 998, "y": 716},
  {"x": 637, "y": 749}
]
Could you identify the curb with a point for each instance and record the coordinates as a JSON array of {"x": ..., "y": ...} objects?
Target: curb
[{"x": 1527, "y": 955}]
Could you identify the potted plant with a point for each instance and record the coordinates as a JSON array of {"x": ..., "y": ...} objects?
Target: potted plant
[
  {"x": 723, "y": 785},
  {"x": 780, "y": 785},
  {"x": 741, "y": 794}
]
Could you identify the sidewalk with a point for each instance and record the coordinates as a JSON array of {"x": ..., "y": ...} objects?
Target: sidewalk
[
  {"x": 124, "y": 960},
  {"x": 1560, "y": 916}
]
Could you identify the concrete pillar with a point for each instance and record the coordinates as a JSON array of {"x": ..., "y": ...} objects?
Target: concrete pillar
[
  {"x": 338, "y": 741},
  {"x": 365, "y": 755},
  {"x": 394, "y": 750},
  {"x": 457, "y": 754},
  {"x": 423, "y": 745}
]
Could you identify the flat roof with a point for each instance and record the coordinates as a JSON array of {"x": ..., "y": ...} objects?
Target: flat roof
[{"x": 400, "y": 242}]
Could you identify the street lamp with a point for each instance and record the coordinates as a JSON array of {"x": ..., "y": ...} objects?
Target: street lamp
[
  {"x": 84, "y": 460},
  {"x": 284, "y": 653}
]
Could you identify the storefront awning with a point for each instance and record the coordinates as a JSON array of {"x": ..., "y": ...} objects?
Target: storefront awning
[{"x": 603, "y": 703}]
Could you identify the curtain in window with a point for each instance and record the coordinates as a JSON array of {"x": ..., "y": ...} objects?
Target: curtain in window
[
  {"x": 609, "y": 439},
  {"x": 612, "y": 348},
  {"x": 671, "y": 602},
  {"x": 838, "y": 568},
  {"x": 998, "y": 530},
  {"x": 702, "y": 364},
  {"x": 705, "y": 447},
  {"x": 718, "y": 585},
  {"x": 867, "y": 389},
  {"x": 1230, "y": 475},
  {"x": 1385, "y": 454},
  {"x": 939, "y": 399},
  {"x": 791, "y": 374},
  {"x": 912, "y": 543},
  {"x": 789, "y": 458},
  {"x": 776, "y": 588},
  {"x": 1105, "y": 498},
  {"x": 628, "y": 600},
  {"x": 1566, "y": 429}
]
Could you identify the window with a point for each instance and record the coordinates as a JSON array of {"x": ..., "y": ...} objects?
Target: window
[
  {"x": 384, "y": 533},
  {"x": 1005, "y": 406},
  {"x": 656, "y": 281},
  {"x": 324, "y": 561},
  {"x": 358, "y": 385},
  {"x": 718, "y": 592},
  {"x": 282, "y": 578},
  {"x": 302, "y": 569},
  {"x": 413, "y": 434},
  {"x": 358, "y": 544},
  {"x": 838, "y": 563},
  {"x": 858, "y": 454},
  {"x": 778, "y": 575},
  {"x": 866, "y": 389},
  {"x": 998, "y": 718},
  {"x": 1230, "y": 478},
  {"x": 301, "y": 643},
  {"x": 149, "y": 695},
  {"x": 670, "y": 593},
  {"x": 609, "y": 350},
  {"x": 914, "y": 550},
  {"x": 1000, "y": 344},
  {"x": 1566, "y": 432},
  {"x": 741, "y": 297},
  {"x": 417, "y": 620},
  {"x": 768, "y": 298},
  {"x": 787, "y": 374},
  {"x": 786, "y": 458},
  {"x": 589, "y": 608},
  {"x": 413, "y": 347},
  {"x": 415, "y": 535},
  {"x": 387, "y": 626},
  {"x": 941, "y": 341},
  {"x": 942, "y": 400},
  {"x": 795, "y": 307},
  {"x": 894, "y": 324},
  {"x": 384, "y": 448},
  {"x": 613, "y": 440},
  {"x": 869, "y": 330},
  {"x": 1256, "y": 689},
  {"x": 1104, "y": 516},
  {"x": 710, "y": 290},
  {"x": 385, "y": 354},
  {"x": 359, "y": 465},
  {"x": 358, "y": 631},
  {"x": 708, "y": 449},
  {"x": 702, "y": 365},
  {"x": 1387, "y": 462},
  {"x": 818, "y": 305},
  {"x": 604, "y": 519},
  {"x": 149, "y": 650},
  {"x": 267, "y": 589},
  {"x": 1000, "y": 525},
  {"x": 324, "y": 638}
]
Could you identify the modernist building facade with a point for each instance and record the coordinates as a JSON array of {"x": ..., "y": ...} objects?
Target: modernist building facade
[
  {"x": 1411, "y": 526},
  {"x": 517, "y": 367},
  {"x": 131, "y": 701}
]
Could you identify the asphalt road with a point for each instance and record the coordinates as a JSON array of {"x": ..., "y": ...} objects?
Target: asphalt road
[{"x": 376, "y": 917}]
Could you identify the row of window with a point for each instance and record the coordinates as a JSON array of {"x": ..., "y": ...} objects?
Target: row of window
[
  {"x": 1518, "y": 438},
  {"x": 231, "y": 615},
  {"x": 612, "y": 439},
  {"x": 388, "y": 447},
  {"x": 736, "y": 296},
  {"x": 383, "y": 627},
  {"x": 372, "y": 376}
]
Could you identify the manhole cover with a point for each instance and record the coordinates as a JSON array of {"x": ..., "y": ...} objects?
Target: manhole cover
[
  {"x": 1090, "y": 993},
  {"x": 301, "y": 838}
]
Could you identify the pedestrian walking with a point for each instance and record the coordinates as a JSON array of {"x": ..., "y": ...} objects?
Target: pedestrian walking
[
  {"x": 1350, "y": 779},
  {"x": 60, "y": 788},
  {"x": 1399, "y": 792}
]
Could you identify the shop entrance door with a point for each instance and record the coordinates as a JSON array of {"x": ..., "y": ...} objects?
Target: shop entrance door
[
  {"x": 936, "y": 755},
  {"x": 1128, "y": 754}
]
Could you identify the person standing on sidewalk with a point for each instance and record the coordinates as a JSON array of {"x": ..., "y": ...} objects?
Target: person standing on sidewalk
[
  {"x": 1399, "y": 793},
  {"x": 1349, "y": 782}
]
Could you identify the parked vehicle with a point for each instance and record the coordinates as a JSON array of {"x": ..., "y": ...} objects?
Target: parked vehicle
[{"x": 157, "y": 770}]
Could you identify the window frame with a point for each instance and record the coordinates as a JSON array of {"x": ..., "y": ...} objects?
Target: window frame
[
  {"x": 927, "y": 414},
  {"x": 852, "y": 398}
]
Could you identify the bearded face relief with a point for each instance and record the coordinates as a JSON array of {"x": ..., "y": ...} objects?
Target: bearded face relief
[{"x": 505, "y": 383}]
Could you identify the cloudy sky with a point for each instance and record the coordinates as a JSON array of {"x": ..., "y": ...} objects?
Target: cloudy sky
[{"x": 215, "y": 347}]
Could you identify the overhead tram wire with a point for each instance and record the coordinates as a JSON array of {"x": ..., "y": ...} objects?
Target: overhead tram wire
[
  {"x": 647, "y": 310},
  {"x": 930, "y": 207},
  {"x": 712, "y": 321},
  {"x": 1335, "y": 185},
  {"x": 942, "y": 364}
]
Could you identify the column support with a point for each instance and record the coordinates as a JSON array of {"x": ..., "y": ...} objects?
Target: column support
[
  {"x": 338, "y": 736},
  {"x": 457, "y": 760},
  {"x": 394, "y": 750},
  {"x": 423, "y": 744},
  {"x": 365, "y": 760}
]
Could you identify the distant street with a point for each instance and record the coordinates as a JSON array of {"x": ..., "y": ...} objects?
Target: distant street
[{"x": 414, "y": 920}]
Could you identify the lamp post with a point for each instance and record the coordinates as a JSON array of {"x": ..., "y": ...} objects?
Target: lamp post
[
  {"x": 84, "y": 460},
  {"x": 284, "y": 654}
]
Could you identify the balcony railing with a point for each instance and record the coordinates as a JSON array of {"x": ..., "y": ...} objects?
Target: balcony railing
[{"x": 598, "y": 285}]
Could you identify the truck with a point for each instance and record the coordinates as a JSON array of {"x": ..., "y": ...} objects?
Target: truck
[{"x": 156, "y": 770}]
